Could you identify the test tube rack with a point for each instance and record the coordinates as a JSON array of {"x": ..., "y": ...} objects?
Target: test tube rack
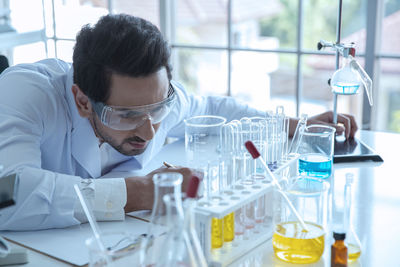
[{"x": 232, "y": 200}]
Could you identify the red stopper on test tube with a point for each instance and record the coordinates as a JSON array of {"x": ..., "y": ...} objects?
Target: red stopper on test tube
[
  {"x": 193, "y": 186},
  {"x": 252, "y": 149}
]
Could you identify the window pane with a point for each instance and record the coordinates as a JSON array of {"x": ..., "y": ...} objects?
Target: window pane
[
  {"x": 21, "y": 10},
  {"x": 317, "y": 95},
  {"x": 71, "y": 15},
  {"x": 148, "y": 9},
  {"x": 201, "y": 22},
  {"x": 203, "y": 72},
  {"x": 388, "y": 99},
  {"x": 391, "y": 27},
  {"x": 51, "y": 48},
  {"x": 283, "y": 84},
  {"x": 264, "y": 80},
  {"x": 320, "y": 19},
  {"x": 264, "y": 24},
  {"x": 28, "y": 53},
  {"x": 65, "y": 50},
  {"x": 48, "y": 13}
]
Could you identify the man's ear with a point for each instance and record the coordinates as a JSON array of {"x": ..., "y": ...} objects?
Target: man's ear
[{"x": 82, "y": 102}]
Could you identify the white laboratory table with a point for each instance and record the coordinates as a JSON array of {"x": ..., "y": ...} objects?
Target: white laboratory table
[{"x": 376, "y": 208}]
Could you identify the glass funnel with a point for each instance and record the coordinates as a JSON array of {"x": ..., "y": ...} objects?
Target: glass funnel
[{"x": 348, "y": 79}]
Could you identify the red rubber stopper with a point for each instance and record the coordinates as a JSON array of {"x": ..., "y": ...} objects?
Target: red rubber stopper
[
  {"x": 352, "y": 52},
  {"x": 193, "y": 186},
  {"x": 252, "y": 149}
]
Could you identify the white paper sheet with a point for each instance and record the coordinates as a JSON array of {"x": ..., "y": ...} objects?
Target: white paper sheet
[{"x": 68, "y": 244}]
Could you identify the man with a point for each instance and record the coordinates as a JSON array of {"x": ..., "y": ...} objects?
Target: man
[{"x": 106, "y": 115}]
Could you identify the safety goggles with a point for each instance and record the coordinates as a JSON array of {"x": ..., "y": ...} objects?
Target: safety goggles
[{"x": 129, "y": 118}]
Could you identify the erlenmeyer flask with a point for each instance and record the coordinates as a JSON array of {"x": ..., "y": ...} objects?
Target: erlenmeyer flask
[
  {"x": 352, "y": 241},
  {"x": 181, "y": 246},
  {"x": 151, "y": 246}
]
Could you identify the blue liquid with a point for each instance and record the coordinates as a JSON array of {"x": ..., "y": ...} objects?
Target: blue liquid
[
  {"x": 315, "y": 165},
  {"x": 345, "y": 88}
]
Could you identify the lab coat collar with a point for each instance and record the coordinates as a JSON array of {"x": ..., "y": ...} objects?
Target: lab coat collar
[{"x": 85, "y": 144}]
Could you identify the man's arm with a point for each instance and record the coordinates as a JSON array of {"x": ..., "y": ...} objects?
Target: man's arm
[
  {"x": 45, "y": 198},
  {"x": 190, "y": 105}
]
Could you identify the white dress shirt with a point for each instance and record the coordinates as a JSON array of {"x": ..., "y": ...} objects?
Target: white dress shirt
[{"x": 44, "y": 140}]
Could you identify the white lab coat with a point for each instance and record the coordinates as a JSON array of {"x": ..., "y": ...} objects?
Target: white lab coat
[{"x": 43, "y": 138}]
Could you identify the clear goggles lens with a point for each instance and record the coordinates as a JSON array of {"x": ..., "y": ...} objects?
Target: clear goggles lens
[{"x": 129, "y": 118}]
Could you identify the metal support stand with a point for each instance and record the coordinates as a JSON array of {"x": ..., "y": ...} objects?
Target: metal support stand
[{"x": 338, "y": 33}]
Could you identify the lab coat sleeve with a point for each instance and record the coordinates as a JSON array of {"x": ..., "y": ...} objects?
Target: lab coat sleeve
[
  {"x": 45, "y": 199},
  {"x": 107, "y": 198},
  {"x": 189, "y": 105}
]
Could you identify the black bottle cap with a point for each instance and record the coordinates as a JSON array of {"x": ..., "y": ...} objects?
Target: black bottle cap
[{"x": 339, "y": 236}]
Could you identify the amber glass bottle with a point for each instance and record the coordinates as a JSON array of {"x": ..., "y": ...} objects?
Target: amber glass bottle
[{"x": 339, "y": 251}]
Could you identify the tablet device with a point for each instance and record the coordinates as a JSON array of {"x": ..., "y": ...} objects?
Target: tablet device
[{"x": 353, "y": 150}]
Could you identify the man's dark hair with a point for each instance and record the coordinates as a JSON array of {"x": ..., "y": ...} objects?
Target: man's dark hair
[{"x": 121, "y": 44}]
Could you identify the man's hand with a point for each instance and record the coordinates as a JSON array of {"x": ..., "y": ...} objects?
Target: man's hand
[
  {"x": 346, "y": 123},
  {"x": 140, "y": 190}
]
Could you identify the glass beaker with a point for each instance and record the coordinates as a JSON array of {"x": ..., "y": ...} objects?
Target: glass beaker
[
  {"x": 290, "y": 241},
  {"x": 121, "y": 250},
  {"x": 203, "y": 153},
  {"x": 202, "y": 147},
  {"x": 316, "y": 150}
]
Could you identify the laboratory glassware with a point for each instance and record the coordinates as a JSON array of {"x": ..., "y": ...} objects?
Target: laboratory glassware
[
  {"x": 294, "y": 145},
  {"x": 227, "y": 178},
  {"x": 348, "y": 79},
  {"x": 164, "y": 184},
  {"x": 181, "y": 245},
  {"x": 121, "y": 249},
  {"x": 189, "y": 223},
  {"x": 202, "y": 147},
  {"x": 203, "y": 153},
  {"x": 352, "y": 240},
  {"x": 339, "y": 251},
  {"x": 291, "y": 242},
  {"x": 316, "y": 151}
]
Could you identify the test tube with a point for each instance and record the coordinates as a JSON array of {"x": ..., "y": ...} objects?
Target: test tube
[
  {"x": 294, "y": 146},
  {"x": 280, "y": 132},
  {"x": 240, "y": 174},
  {"x": 271, "y": 142},
  {"x": 257, "y": 137},
  {"x": 246, "y": 135},
  {"x": 226, "y": 176},
  {"x": 239, "y": 161},
  {"x": 286, "y": 137}
]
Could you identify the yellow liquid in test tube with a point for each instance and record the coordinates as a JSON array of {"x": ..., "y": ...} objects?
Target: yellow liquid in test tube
[
  {"x": 229, "y": 227},
  {"x": 217, "y": 233},
  {"x": 292, "y": 244},
  {"x": 353, "y": 252}
]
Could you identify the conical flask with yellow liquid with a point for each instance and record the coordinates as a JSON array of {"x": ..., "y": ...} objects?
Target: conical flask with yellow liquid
[{"x": 352, "y": 240}]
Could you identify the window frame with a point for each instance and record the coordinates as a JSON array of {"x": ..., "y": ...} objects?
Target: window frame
[{"x": 375, "y": 14}]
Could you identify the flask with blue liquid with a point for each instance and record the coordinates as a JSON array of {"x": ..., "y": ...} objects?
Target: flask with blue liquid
[{"x": 348, "y": 79}]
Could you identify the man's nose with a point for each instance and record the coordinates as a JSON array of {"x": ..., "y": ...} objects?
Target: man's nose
[{"x": 146, "y": 130}]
